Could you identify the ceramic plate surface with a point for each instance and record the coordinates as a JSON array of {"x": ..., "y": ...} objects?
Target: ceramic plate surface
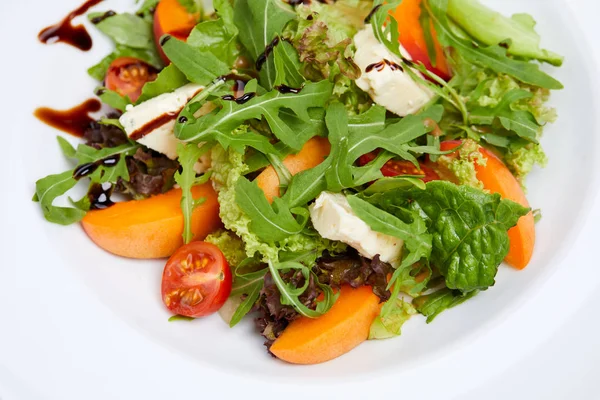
[{"x": 79, "y": 323}]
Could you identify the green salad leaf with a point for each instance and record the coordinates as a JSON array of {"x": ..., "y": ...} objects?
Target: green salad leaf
[
  {"x": 271, "y": 223},
  {"x": 491, "y": 27},
  {"x": 50, "y": 188},
  {"x": 217, "y": 36},
  {"x": 259, "y": 22},
  {"x": 113, "y": 99},
  {"x": 493, "y": 57},
  {"x": 219, "y": 124},
  {"x": 126, "y": 29},
  {"x": 248, "y": 286},
  {"x": 431, "y": 305},
  {"x": 201, "y": 67},
  {"x": 168, "y": 80},
  {"x": 188, "y": 156},
  {"x": 468, "y": 226},
  {"x": 290, "y": 293},
  {"x": 193, "y": 6}
]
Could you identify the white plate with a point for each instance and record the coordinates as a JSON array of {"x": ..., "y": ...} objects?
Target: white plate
[{"x": 80, "y": 323}]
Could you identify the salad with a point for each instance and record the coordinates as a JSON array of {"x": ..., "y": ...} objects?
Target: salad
[{"x": 328, "y": 169}]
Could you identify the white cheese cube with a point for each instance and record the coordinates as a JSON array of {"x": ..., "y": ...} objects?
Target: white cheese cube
[
  {"x": 334, "y": 219},
  {"x": 386, "y": 83}
]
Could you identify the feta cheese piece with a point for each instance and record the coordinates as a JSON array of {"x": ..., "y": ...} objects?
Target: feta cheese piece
[
  {"x": 334, "y": 219},
  {"x": 386, "y": 83},
  {"x": 152, "y": 122}
]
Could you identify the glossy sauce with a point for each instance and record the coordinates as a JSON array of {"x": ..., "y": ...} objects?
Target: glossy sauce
[
  {"x": 65, "y": 32},
  {"x": 74, "y": 121},
  {"x": 379, "y": 66},
  {"x": 155, "y": 123},
  {"x": 284, "y": 89},
  {"x": 307, "y": 2},
  {"x": 262, "y": 59},
  {"x": 99, "y": 195},
  {"x": 239, "y": 83},
  {"x": 240, "y": 100},
  {"x": 373, "y": 11},
  {"x": 87, "y": 169}
]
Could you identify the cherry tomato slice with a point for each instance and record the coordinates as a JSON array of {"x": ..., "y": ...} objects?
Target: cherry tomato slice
[
  {"x": 397, "y": 168},
  {"x": 196, "y": 280},
  {"x": 127, "y": 76}
]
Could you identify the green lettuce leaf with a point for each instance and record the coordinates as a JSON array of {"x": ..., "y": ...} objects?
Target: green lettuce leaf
[
  {"x": 168, "y": 80},
  {"x": 491, "y": 28},
  {"x": 126, "y": 29},
  {"x": 201, "y": 67},
  {"x": 431, "y": 305},
  {"x": 230, "y": 245},
  {"x": 228, "y": 168}
]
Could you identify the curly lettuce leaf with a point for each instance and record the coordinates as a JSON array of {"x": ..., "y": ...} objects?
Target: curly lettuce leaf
[{"x": 228, "y": 168}]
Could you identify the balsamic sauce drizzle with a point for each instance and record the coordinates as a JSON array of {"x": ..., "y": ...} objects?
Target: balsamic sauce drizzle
[
  {"x": 102, "y": 17},
  {"x": 89, "y": 168},
  {"x": 65, "y": 32},
  {"x": 261, "y": 59},
  {"x": 240, "y": 100},
  {"x": 73, "y": 121},
  {"x": 373, "y": 11},
  {"x": 284, "y": 89},
  {"x": 99, "y": 196},
  {"x": 379, "y": 66}
]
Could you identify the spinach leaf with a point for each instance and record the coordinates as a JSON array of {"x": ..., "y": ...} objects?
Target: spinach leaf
[
  {"x": 259, "y": 22},
  {"x": 431, "y": 305},
  {"x": 188, "y": 156},
  {"x": 271, "y": 223},
  {"x": 217, "y": 36},
  {"x": 200, "y": 67},
  {"x": 469, "y": 229},
  {"x": 127, "y": 30}
]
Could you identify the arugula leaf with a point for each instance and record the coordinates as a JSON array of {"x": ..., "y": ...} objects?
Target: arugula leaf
[
  {"x": 287, "y": 66},
  {"x": 469, "y": 229},
  {"x": 522, "y": 122},
  {"x": 259, "y": 22},
  {"x": 67, "y": 149},
  {"x": 188, "y": 156},
  {"x": 431, "y": 305},
  {"x": 50, "y": 188},
  {"x": 219, "y": 124},
  {"x": 248, "y": 284},
  {"x": 394, "y": 183},
  {"x": 290, "y": 293},
  {"x": 493, "y": 57},
  {"x": 339, "y": 175},
  {"x": 426, "y": 25},
  {"x": 271, "y": 223},
  {"x": 169, "y": 79},
  {"x": 113, "y": 99},
  {"x": 150, "y": 56},
  {"x": 416, "y": 239},
  {"x": 127, "y": 30},
  {"x": 200, "y": 67}
]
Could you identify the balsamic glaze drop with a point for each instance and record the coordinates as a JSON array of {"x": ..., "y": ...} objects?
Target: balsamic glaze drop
[
  {"x": 102, "y": 17},
  {"x": 99, "y": 196},
  {"x": 261, "y": 59},
  {"x": 65, "y": 32},
  {"x": 164, "y": 40},
  {"x": 240, "y": 100},
  {"x": 74, "y": 121},
  {"x": 373, "y": 11},
  {"x": 284, "y": 89}
]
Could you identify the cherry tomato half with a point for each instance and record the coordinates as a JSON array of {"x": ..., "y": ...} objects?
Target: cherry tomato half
[
  {"x": 127, "y": 76},
  {"x": 397, "y": 168},
  {"x": 196, "y": 280}
]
